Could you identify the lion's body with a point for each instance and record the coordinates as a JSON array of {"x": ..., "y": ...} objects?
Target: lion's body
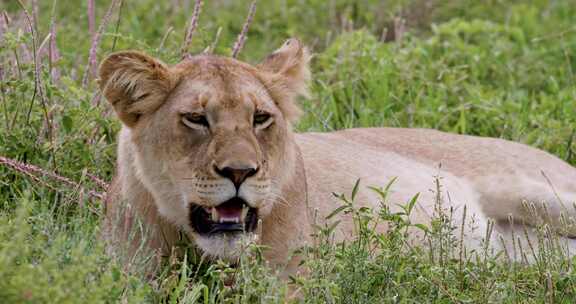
[
  {"x": 195, "y": 146},
  {"x": 492, "y": 177}
]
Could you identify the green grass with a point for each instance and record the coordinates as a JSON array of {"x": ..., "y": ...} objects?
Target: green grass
[{"x": 491, "y": 68}]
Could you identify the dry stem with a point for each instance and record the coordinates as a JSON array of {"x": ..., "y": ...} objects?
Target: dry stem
[
  {"x": 191, "y": 28},
  {"x": 35, "y": 172},
  {"x": 38, "y": 88},
  {"x": 239, "y": 44},
  {"x": 91, "y": 68}
]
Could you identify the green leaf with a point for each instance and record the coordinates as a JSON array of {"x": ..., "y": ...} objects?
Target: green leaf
[
  {"x": 422, "y": 227},
  {"x": 412, "y": 203},
  {"x": 330, "y": 228},
  {"x": 67, "y": 123},
  {"x": 355, "y": 189},
  {"x": 336, "y": 211}
]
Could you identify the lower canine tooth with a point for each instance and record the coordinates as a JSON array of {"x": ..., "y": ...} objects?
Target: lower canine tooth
[
  {"x": 214, "y": 215},
  {"x": 244, "y": 212}
]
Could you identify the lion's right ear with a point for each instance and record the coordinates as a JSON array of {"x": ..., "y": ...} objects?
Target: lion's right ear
[
  {"x": 134, "y": 84},
  {"x": 288, "y": 75}
]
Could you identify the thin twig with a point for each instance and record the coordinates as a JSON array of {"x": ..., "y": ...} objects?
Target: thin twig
[
  {"x": 117, "y": 25},
  {"x": 35, "y": 173},
  {"x": 191, "y": 28},
  {"x": 553, "y": 189},
  {"x": 38, "y": 89},
  {"x": 95, "y": 100},
  {"x": 210, "y": 49},
  {"x": 163, "y": 41},
  {"x": 53, "y": 53},
  {"x": 35, "y": 14},
  {"x": 29, "y": 174},
  {"x": 7, "y": 22},
  {"x": 91, "y": 68},
  {"x": 101, "y": 183},
  {"x": 17, "y": 68},
  {"x": 4, "y": 100},
  {"x": 239, "y": 44},
  {"x": 44, "y": 44},
  {"x": 569, "y": 145},
  {"x": 91, "y": 18},
  {"x": 3, "y": 25}
]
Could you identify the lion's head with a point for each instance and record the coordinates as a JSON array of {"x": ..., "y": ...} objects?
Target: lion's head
[{"x": 211, "y": 136}]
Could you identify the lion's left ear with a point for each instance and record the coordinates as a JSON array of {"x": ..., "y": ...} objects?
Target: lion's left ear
[{"x": 290, "y": 71}]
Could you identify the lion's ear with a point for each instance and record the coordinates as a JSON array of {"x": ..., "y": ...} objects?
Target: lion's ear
[
  {"x": 135, "y": 84},
  {"x": 288, "y": 72},
  {"x": 291, "y": 62}
]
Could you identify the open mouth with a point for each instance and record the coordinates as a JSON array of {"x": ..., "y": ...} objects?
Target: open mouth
[{"x": 231, "y": 216}]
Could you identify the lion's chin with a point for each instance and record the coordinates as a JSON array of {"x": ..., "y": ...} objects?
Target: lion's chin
[
  {"x": 223, "y": 231},
  {"x": 225, "y": 246}
]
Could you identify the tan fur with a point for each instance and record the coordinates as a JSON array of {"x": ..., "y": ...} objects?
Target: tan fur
[{"x": 163, "y": 165}]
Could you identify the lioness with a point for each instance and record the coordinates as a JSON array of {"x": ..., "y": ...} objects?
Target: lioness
[{"x": 207, "y": 150}]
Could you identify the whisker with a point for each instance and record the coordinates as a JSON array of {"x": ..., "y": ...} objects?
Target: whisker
[{"x": 280, "y": 198}]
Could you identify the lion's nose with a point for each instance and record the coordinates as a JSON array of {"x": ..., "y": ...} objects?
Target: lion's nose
[{"x": 236, "y": 175}]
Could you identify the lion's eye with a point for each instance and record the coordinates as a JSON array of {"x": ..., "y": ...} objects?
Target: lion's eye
[
  {"x": 195, "y": 120},
  {"x": 262, "y": 120}
]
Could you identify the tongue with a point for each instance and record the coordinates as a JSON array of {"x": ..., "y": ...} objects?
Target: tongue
[{"x": 229, "y": 210}]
